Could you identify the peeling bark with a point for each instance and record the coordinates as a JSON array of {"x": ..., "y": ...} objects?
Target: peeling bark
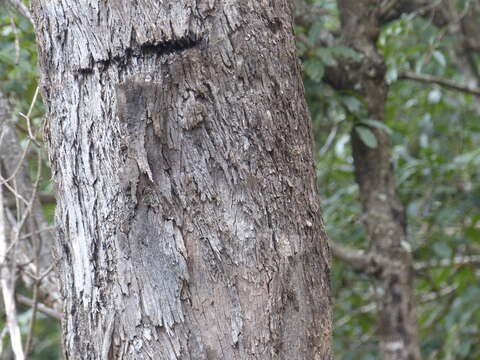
[{"x": 189, "y": 226}]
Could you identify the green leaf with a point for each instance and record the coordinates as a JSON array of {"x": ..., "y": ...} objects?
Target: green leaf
[
  {"x": 473, "y": 233},
  {"x": 326, "y": 55},
  {"x": 442, "y": 249},
  {"x": 367, "y": 136},
  {"x": 315, "y": 32},
  {"x": 468, "y": 157},
  {"x": 419, "y": 65},
  {"x": 314, "y": 69},
  {"x": 346, "y": 52},
  {"x": 440, "y": 58},
  {"x": 392, "y": 74},
  {"x": 352, "y": 103},
  {"x": 377, "y": 124}
]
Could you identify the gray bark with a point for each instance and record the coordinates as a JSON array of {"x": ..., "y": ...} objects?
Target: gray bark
[{"x": 189, "y": 226}]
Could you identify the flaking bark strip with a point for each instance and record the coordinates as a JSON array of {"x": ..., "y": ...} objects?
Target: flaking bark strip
[{"x": 132, "y": 99}]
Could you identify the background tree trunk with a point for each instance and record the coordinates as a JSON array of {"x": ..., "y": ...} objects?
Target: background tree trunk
[
  {"x": 389, "y": 257},
  {"x": 189, "y": 224}
]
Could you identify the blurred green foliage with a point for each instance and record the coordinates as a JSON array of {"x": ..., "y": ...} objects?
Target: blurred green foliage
[{"x": 435, "y": 135}]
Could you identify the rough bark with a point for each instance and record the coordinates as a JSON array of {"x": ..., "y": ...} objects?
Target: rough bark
[
  {"x": 385, "y": 220},
  {"x": 189, "y": 225}
]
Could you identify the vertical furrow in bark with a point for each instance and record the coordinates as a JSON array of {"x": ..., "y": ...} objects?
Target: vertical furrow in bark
[
  {"x": 189, "y": 224},
  {"x": 385, "y": 220}
]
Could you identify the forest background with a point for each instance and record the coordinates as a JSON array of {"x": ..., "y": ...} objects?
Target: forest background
[{"x": 428, "y": 56}]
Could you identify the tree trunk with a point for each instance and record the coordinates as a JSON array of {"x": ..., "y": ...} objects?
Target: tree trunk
[
  {"x": 389, "y": 258},
  {"x": 189, "y": 225}
]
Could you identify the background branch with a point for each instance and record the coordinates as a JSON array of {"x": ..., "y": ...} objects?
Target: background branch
[
  {"x": 22, "y": 9},
  {"x": 439, "y": 81}
]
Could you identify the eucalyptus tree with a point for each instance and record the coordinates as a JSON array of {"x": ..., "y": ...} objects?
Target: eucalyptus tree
[{"x": 188, "y": 221}]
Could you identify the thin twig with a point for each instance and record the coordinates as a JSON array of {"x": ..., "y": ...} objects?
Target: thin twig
[
  {"x": 22, "y": 9},
  {"x": 41, "y": 307},
  {"x": 438, "y": 294},
  {"x": 440, "y": 81},
  {"x": 386, "y": 6},
  {"x": 456, "y": 261},
  {"x": 29, "y": 207},
  {"x": 12, "y": 190},
  {"x": 37, "y": 281},
  {"x": 31, "y": 138},
  {"x": 39, "y": 278},
  {"x": 28, "y": 344},
  {"x": 354, "y": 257},
  {"x": 7, "y": 284},
  {"x": 358, "y": 311},
  {"x": 27, "y": 117},
  {"x": 17, "y": 40},
  {"x": 37, "y": 232},
  {"x": 43, "y": 197},
  {"x": 19, "y": 166},
  {"x": 329, "y": 141}
]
